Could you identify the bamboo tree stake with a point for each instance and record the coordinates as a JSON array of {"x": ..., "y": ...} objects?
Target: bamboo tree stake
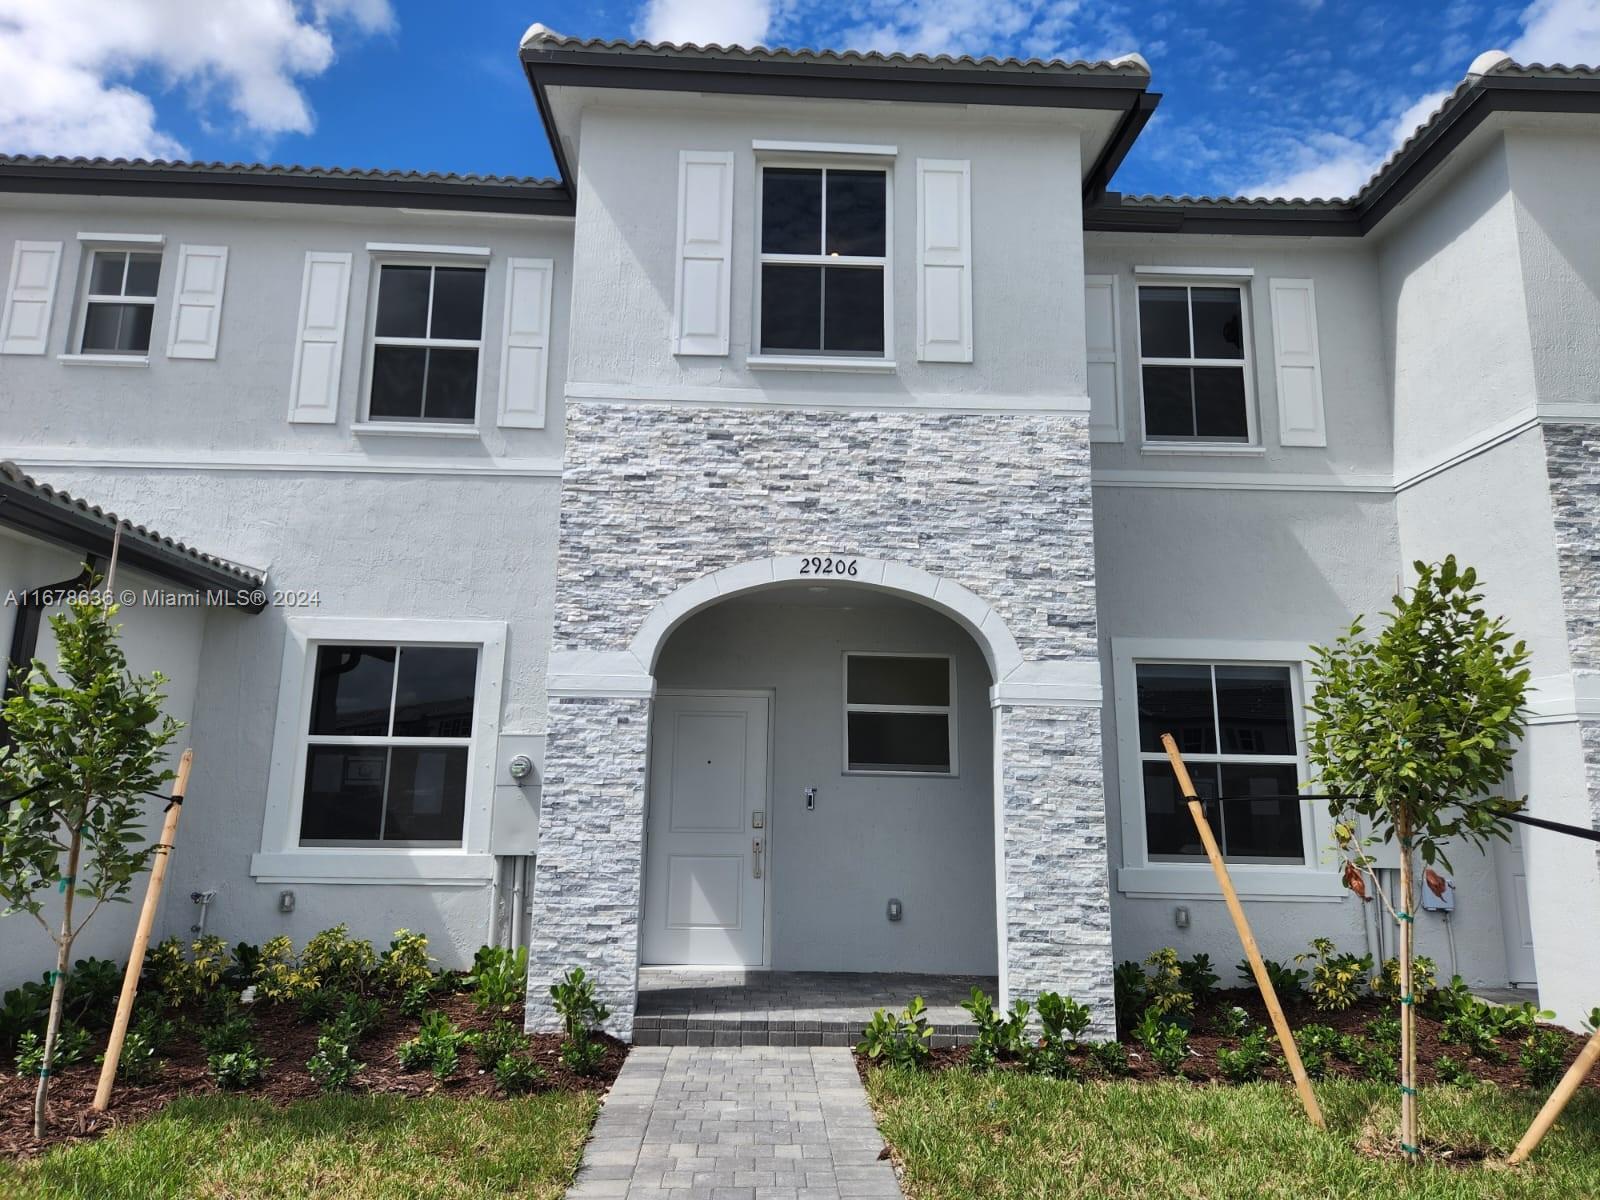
[
  {"x": 1564, "y": 1092},
  {"x": 1280, "y": 1024},
  {"x": 141, "y": 936},
  {"x": 1409, "y": 1142}
]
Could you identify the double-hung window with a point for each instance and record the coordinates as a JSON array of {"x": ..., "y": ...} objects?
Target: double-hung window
[
  {"x": 427, "y": 342},
  {"x": 120, "y": 302},
  {"x": 1193, "y": 368},
  {"x": 899, "y": 714},
  {"x": 824, "y": 256},
  {"x": 1235, "y": 726},
  {"x": 388, "y": 744}
]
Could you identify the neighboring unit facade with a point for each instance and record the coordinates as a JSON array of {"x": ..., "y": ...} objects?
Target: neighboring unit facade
[{"x": 778, "y": 542}]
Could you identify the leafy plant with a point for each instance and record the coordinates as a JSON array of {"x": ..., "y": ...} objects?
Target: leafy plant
[
  {"x": 1249, "y": 1062},
  {"x": 517, "y": 1073},
  {"x": 901, "y": 1041},
  {"x": 1063, "y": 1021},
  {"x": 1337, "y": 980},
  {"x": 92, "y": 991},
  {"x": 1413, "y": 731},
  {"x": 233, "y": 1033},
  {"x": 238, "y": 1069},
  {"x": 278, "y": 978},
  {"x": 1384, "y": 1033},
  {"x": 405, "y": 964},
  {"x": 1165, "y": 989},
  {"x": 583, "y": 1057},
  {"x": 243, "y": 961},
  {"x": 497, "y": 1042},
  {"x": 1198, "y": 977},
  {"x": 1132, "y": 993},
  {"x": 1376, "y": 1062},
  {"x": 1110, "y": 1057},
  {"x": 72, "y": 1043},
  {"x": 1424, "y": 977},
  {"x": 1231, "y": 1022},
  {"x": 139, "y": 1062},
  {"x": 1166, "y": 1041},
  {"x": 1286, "y": 981},
  {"x": 86, "y": 748},
  {"x": 334, "y": 1065},
  {"x": 999, "y": 1036},
  {"x": 321, "y": 1003},
  {"x": 337, "y": 960},
  {"x": 1450, "y": 1071},
  {"x": 187, "y": 974},
  {"x": 23, "y": 1009},
  {"x": 1317, "y": 1045},
  {"x": 414, "y": 1002},
  {"x": 1543, "y": 1058},
  {"x": 581, "y": 1012},
  {"x": 356, "y": 1018},
  {"x": 437, "y": 1046},
  {"x": 1591, "y": 1023},
  {"x": 499, "y": 978}
]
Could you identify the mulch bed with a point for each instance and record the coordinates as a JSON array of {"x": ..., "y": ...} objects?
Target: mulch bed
[
  {"x": 1201, "y": 1067},
  {"x": 289, "y": 1043}
]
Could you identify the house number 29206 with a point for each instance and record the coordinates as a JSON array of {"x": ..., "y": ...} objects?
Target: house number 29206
[{"x": 819, "y": 565}]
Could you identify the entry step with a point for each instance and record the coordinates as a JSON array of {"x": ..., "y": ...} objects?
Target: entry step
[{"x": 742, "y": 1031}]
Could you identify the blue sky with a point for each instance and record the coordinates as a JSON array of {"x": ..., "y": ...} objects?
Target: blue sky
[{"x": 1296, "y": 97}]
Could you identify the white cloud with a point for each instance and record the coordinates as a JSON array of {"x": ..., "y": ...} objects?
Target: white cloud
[
  {"x": 704, "y": 22},
  {"x": 69, "y": 67},
  {"x": 1559, "y": 31}
]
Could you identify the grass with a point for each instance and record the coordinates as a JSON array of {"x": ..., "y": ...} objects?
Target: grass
[
  {"x": 353, "y": 1147},
  {"x": 961, "y": 1134}
]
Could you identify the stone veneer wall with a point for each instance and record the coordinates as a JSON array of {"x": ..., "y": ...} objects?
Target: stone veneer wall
[
  {"x": 655, "y": 497},
  {"x": 1572, "y": 455}
]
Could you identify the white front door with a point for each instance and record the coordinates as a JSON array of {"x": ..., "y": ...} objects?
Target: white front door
[
  {"x": 1514, "y": 919},
  {"x": 705, "y": 836}
]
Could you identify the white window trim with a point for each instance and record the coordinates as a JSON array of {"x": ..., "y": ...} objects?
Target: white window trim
[
  {"x": 431, "y": 425},
  {"x": 1313, "y": 880},
  {"x": 115, "y": 244},
  {"x": 103, "y": 240},
  {"x": 282, "y": 859},
  {"x": 880, "y": 158},
  {"x": 1193, "y": 277},
  {"x": 948, "y": 710}
]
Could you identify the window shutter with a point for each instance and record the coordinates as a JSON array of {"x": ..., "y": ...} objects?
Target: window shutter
[
  {"x": 944, "y": 260},
  {"x": 525, "y": 356},
  {"x": 197, "y": 307},
  {"x": 31, "y": 294},
  {"x": 1100, "y": 328},
  {"x": 319, "y": 349},
  {"x": 1294, "y": 334},
  {"x": 703, "y": 292}
]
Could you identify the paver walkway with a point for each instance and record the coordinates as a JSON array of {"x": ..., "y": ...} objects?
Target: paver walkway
[{"x": 736, "y": 1123}]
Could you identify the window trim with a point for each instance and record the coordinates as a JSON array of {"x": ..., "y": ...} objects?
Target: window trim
[
  {"x": 1138, "y": 876},
  {"x": 1189, "y": 279},
  {"x": 846, "y": 707},
  {"x": 869, "y": 158},
  {"x": 282, "y": 859},
  {"x": 440, "y": 257},
  {"x": 125, "y": 244}
]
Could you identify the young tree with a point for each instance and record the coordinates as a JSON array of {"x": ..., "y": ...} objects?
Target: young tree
[
  {"x": 85, "y": 756},
  {"x": 1414, "y": 731}
]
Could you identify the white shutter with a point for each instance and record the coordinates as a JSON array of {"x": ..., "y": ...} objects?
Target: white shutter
[
  {"x": 197, "y": 306},
  {"x": 703, "y": 289},
  {"x": 944, "y": 260},
  {"x": 525, "y": 351},
  {"x": 1100, "y": 329},
  {"x": 319, "y": 344},
  {"x": 1294, "y": 336},
  {"x": 31, "y": 294}
]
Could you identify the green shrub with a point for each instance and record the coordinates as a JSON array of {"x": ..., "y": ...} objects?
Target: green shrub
[
  {"x": 23, "y": 1009},
  {"x": 581, "y": 1012},
  {"x": 187, "y": 976},
  {"x": 231, "y": 1034},
  {"x": 1165, "y": 989},
  {"x": 1543, "y": 1058},
  {"x": 1375, "y": 1061},
  {"x": 437, "y": 1046},
  {"x": 1198, "y": 977},
  {"x": 91, "y": 992},
  {"x": 238, "y": 1069},
  {"x": 1337, "y": 980},
  {"x": 405, "y": 964},
  {"x": 499, "y": 978},
  {"x": 900, "y": 1041},
  {"x": 243, "y": 961},
  {"x": 1286, "y": 981},
  {"x": 1063, "y": 1021},
  {"x": 1232, "y": 1022},
  {"x": 1424, "y": 976},
  {"x": 517, "y": 1073},
  {"x": 1249, "y": 1062},
  {"x": 139, "y": 1062},
  {"x": 278, "y": 978},
  {"x": 999, "y": 1037},
  {"x": 1591, "y": 1023},
  {"x": 414, "y": 1002},
  {"x": 1132, "y": 993},
  {"x": 339, "y": 961},
  {"x": 1166, "y": 1041},
  {"x": 497, "y": 1042},
  {"x": 334, "y": 1065},
  {"x": 1450, "y": 1071},
  {"x": 1317, "y": 1045},
  {"x": 1110, "y": 1057},
  {"x": 72, "y": 1044}
]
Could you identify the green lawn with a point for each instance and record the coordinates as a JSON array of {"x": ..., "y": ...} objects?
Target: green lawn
[
  {"x": 352, "y": 1147},
  {"x": 963, "y": 1134}
]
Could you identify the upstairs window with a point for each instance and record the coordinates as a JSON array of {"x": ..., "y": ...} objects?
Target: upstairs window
[
  {"x": 1192, "y": 363},
  {"x": 824, "y": 261},
  {"x": 1235, "y": 727},
  {"x": 899, "y": 714},
  {"x": 388, "y": 744},
  {"x": 120, "y": 304},
  {"x": 427, "y": 340}
]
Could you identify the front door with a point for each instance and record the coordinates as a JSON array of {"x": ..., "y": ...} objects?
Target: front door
[
  {"x": 705, "y": 833},
  {"x": 1514, "y": 919}
]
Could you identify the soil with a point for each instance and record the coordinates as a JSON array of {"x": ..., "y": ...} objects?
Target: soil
[
  {"x": 1204, "y": 1042},
  {"x": 288, "y": 1042}
]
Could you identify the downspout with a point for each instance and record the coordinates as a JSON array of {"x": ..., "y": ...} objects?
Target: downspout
[{"x": 25, "y": 633}]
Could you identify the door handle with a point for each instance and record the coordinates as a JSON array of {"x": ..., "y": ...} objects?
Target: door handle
[{"x": 755, "y": 858}]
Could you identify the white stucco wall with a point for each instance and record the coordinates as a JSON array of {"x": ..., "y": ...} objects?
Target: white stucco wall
[{"x": 927, "y": 842}]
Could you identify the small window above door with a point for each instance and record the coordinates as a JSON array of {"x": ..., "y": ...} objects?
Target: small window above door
[{"x": 899, "y": 714}]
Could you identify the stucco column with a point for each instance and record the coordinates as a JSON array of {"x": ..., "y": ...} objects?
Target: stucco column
[
  {"x": 591, "y": 845},
  {"x": 1056, "y": 915}
]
